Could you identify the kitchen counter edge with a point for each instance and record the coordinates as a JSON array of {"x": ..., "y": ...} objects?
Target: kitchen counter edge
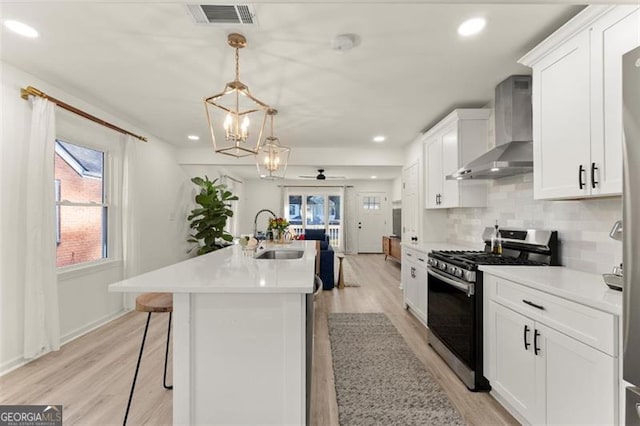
[{"x": 581, "y": 287}]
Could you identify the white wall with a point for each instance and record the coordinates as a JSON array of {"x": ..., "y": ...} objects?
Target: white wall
[
  {"x": 83, "y": 297},
  {"x": 396, "y": 190}
]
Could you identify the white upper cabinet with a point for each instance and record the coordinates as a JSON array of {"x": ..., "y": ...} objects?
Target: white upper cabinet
[
  {"x": 612, "y": 36},
  {"x": 561, "y": 120},
  {"x": 457, "y": 139},
  {"x": 577, "y": 103}
]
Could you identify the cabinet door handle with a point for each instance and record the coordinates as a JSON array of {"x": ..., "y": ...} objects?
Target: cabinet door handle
[
  {"x": 413, "y": 272},
  {"x": 524, "y": 336},
  {"x": 581, "y": 170},
  {"x": 530, "y": 303},
  {"x": 536, "y": 349},
  {"x": 593, "y": 175}
]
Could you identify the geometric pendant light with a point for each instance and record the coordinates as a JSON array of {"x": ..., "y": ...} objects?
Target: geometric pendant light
[
  {"x": 236, "y": 118},
  {"x": 272, "y": 157}
]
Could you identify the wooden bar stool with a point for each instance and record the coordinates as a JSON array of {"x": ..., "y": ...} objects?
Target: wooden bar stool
[{"x": 152, "y": 303}]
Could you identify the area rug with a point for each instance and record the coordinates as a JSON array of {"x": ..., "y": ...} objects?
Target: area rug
[{"x": 378, "y": 380}]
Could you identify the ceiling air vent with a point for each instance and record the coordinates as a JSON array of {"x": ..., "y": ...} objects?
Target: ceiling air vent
[{"x": 222, "y": 14}]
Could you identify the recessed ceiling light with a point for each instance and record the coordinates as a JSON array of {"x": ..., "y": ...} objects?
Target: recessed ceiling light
[
  {"x": 374, "y": 177},
  {"x": 471, "y": 26},
  {"x": 379, "y": 138},
  {"x": 20, "y": 28},
  {"x": 495, "y": 169},
  {"x": 194, "y": 137}
]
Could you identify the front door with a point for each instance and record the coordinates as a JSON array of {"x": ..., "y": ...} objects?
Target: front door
[{"x": 372, "y": 220}]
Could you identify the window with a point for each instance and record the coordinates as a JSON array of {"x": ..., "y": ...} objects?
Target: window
[
  {"x": 316, "y": 208},
  {"x": 371, "y": 203},
  {"x": 81, "y": 209}
]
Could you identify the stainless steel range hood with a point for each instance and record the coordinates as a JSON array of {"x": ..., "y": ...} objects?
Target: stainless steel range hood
[{"x": 513, "y": 153}]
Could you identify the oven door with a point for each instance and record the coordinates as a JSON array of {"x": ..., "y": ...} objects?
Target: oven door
[{"x": 451, "y": 315}]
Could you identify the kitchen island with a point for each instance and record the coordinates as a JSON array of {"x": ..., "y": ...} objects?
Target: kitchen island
[{"x": 240, "y": 334}]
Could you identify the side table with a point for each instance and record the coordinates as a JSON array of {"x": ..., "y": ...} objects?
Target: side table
[{"x": 340, "y": 274}]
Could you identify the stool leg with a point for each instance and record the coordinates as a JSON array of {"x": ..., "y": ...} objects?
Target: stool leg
[
  {"x": 135, "y": 376},
  {"x": 166, "y": 356}
]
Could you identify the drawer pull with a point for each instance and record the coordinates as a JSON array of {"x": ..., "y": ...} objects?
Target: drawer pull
[
  {"x": 536, "y": 349},
  {"x": 524, "y": 336},
  {"x": 420, "y": 259},
  {"x": 530, "y": 303}
]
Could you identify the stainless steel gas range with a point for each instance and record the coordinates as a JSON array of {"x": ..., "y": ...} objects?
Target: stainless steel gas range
[{"x": 454, "y": 313}]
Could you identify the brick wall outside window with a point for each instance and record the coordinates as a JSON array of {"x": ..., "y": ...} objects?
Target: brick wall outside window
[{"x": 80, "y": 227}]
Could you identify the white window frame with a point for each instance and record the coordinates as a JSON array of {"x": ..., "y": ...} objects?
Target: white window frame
[{"x": 111, "y": 187}]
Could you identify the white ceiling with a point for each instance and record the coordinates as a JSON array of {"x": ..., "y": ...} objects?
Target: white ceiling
[{"x": 150, "y": 64}]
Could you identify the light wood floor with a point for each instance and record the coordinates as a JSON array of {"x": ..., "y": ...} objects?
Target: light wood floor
[{"x": 91, "y": 376}]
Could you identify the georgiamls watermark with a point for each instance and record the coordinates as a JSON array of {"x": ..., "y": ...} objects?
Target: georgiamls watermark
[{"x": 30, "y": 415}]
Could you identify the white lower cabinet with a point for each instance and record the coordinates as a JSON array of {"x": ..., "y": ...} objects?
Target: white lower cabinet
[
  {"x": 414, "y": 282},
  {"x": 577, "y": 383},
  {"x": 541, "y": 374},
  {"x": 513, "y": 363}
]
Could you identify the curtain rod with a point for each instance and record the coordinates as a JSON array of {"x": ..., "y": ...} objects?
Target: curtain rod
[
  {"x": 232, "y": 178},
  {"x": 30, "y": 90}
]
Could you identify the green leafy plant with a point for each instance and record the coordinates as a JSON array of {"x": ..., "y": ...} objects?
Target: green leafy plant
[{"x": 208, "y": 220}]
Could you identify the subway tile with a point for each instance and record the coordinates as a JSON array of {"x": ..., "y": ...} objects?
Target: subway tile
[{"x": 583, "y": 225}]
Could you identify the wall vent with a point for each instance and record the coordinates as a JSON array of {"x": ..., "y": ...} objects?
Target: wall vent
[{"x": 222, "y": 14}]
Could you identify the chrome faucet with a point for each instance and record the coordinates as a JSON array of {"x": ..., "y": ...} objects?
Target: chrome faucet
[{"x": 255, "y": 221}]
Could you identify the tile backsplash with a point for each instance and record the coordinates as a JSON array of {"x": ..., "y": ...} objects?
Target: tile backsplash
[{"x": 583, "y": 225}]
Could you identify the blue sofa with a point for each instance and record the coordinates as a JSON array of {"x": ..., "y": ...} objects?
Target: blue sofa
[{"x": 327, "y": 256}]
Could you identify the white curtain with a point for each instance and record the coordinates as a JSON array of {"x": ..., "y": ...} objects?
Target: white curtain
[
  {"x": 235, "y": 186},
  {"x": 41, "y": 316},
  {"x": 130, "y": 239}
]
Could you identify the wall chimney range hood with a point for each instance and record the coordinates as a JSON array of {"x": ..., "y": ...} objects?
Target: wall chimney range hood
[{"x": 513, "y": 153}]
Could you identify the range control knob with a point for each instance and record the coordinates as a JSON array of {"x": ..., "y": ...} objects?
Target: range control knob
[
  {"x": 442, "y": 266},
  {"x": 458, "y": 273}
]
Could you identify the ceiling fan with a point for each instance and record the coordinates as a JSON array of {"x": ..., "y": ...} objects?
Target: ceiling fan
[{"x": 321, "y": 176}]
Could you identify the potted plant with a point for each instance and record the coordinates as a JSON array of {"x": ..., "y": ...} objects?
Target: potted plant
[{"x": 209, "y": 220}]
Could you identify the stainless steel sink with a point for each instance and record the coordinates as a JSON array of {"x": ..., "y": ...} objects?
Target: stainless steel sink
[{"x": 280, "y": 254}]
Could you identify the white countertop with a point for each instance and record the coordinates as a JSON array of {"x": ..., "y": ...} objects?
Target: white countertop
[
  {"x": 229, "y": 270},
  {"x": 426, "y": 247},
  {"x": 581, "y": 287}
]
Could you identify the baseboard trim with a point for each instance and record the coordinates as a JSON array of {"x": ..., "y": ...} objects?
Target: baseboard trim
[
  {"x": 19, "y": 361},
  {"x": 91, "y": 326}
]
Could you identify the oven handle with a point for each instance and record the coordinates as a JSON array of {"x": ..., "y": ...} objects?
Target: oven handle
[{"x": 467, "y": 288}]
